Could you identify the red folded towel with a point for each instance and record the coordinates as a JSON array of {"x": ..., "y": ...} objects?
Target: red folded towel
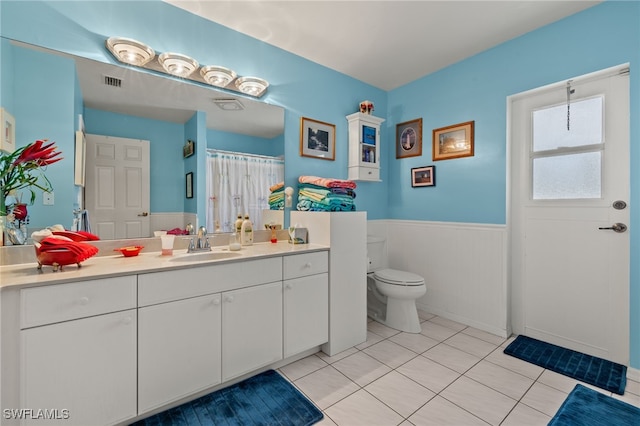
[{"x": 82, "y": 251}]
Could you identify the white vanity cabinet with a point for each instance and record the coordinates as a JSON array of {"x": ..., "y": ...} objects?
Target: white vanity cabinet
[
  {"x": 306, "y": 301},
  {"x": 78, "y": 351},
  {"x": 251, "y": 328},
  {"x": 178, "y": 349}
]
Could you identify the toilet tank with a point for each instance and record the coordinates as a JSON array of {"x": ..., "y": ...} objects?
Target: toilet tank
[{"x": 376, "y": 255}]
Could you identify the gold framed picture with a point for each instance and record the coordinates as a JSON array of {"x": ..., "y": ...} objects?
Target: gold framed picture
[
  {"x": 409, "y": 139},
  {"x": 317, "y": 139},
  {"x": 453, "y": 141}
]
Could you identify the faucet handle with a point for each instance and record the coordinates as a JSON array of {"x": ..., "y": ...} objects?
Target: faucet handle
[{"x": 192, "y": 245}]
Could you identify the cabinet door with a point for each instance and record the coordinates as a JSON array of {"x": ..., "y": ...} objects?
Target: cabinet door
[
  {"x": 306, "y": 313},
  {"x": 251, "y": 328},
  {"x": 86, "y": 366},
  {"x": 178, "y": 349}
]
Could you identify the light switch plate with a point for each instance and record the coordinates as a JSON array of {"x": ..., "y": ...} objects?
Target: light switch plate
[{"x": 47, "y": 198}]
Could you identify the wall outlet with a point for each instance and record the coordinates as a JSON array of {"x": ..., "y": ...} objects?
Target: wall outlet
[{"x": 47, "y": 198}]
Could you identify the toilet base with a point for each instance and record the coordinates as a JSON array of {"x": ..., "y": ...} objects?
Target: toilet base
[{"x": 403, "y": 315}]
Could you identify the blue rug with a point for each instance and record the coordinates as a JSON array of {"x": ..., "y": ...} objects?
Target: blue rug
[
  {"x": 586, "y": 407},
  {"x": 265, "y": 399},
  {"x": 586, "y": 368}
]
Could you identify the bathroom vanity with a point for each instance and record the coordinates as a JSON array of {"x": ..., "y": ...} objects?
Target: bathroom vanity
[{"x": 121, "y": 337}]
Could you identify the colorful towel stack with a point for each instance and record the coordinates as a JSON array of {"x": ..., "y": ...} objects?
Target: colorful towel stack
[
  {"x": 276, "y": 198},
  {"x": 325, "y": 194}
]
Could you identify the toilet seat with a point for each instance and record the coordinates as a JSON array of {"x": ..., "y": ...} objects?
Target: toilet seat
[{"x": 395, "y": 277}]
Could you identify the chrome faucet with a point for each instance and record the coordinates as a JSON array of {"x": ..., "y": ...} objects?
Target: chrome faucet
[{"x": 200, "y": 242}]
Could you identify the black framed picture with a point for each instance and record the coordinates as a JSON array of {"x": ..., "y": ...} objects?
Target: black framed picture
[
  {"x": 423, "y": 176},
  {"x": 189, "y": 185}
]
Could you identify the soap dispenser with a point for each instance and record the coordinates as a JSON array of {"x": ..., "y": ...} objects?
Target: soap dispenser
[{"x": 246, "y": 232}]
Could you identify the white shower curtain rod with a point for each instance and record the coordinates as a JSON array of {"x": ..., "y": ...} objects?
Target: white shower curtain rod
[{"x": 266, "y": 157}]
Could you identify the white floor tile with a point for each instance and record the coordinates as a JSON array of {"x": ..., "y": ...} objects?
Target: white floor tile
[
  {"x": 527, "y": 369},
  {"x": 440, "y": 412},
  {"x": 448, "y": 323},
  {"x": 470, "y": 344},
  {"x": 632, "y": 387},
  {"x": 372, "y": 339},
  {"x": 361, "y": 408},
  {"x": 302, "y": 367},
  {"x": 429, "y": 374},
  {"x": 523, "y": 415},
  {"x": 436, "y": 331},
  {"x": 381, "y": 329},
  {"x": 400, "y": 393},
  {"x": 629, "y": 398},
  {"x": 561, "y": 382},
  {"x": 497, "y": 378},
  {"x": 417, "y": 342},
  {"x": 390, "y": 353},
  {"x": 361, "y": 368},
  {"x": 326, "y": 386},
  {"x": 424, "y": 316},
  {"x": 337, "y": 357},
  {"x": 480, "y": 400},
  {"x": 544, "y": 398},
  {"x": 451, "y": 357},
  {"x": 483, "y": 335}
]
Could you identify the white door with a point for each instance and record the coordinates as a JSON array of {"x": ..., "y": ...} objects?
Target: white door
[
  {"x": 570, "y": 182},
  {"x": 117, "y": 187}
]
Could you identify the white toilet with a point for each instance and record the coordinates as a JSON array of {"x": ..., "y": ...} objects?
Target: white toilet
[{"x": 391, "y": 294}]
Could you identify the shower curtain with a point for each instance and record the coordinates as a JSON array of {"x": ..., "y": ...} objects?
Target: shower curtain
[{"x": 238, "y": 183}]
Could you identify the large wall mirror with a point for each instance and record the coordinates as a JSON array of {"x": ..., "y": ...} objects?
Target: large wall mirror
[{"x": 123, "y": 102}]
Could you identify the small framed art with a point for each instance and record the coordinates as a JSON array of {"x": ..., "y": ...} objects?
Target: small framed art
[
  {"x": 317, "y": 139},
  {"x": 453, "y": 141},
  {"x": 189, "y": 185},
  {"x": 409, "y": 139},
  {"x": 423, "y": 176},
  {"x": 188, "y": 149},
  {"x": 8, "y": 139}
]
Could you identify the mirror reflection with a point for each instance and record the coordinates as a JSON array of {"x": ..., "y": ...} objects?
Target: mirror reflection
[{"x": 237, "y": 156}]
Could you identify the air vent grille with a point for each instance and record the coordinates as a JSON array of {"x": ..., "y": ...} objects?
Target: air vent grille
[{"x": 112, "y": 81}]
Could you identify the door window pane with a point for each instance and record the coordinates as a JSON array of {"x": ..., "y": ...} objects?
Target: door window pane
[
  {"x": 550, "y": 125},
  {"x": 567, "y": 176}
]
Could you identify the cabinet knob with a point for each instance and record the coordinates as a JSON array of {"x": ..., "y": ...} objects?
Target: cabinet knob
[
  {"x": 84, "y": 300},
  {"x": 216, "y": 301},
  {"x": 126, "y": 320},
  {"x": 228, "y": 299},
  {"x": 287, "y": 287},
  {"x": 307, "y": 265}
]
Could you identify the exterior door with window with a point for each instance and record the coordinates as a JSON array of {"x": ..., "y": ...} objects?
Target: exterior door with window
[{"x": 569, "y": 212}]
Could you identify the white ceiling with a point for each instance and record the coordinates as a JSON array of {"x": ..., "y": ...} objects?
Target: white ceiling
[{"x": 384, "y": 43}]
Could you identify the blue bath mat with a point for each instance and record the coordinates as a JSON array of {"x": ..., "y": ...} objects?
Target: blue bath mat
[
  {"x": 586, "y": 368},
  {"x": 265, "y": 399},
  {"x": 586, "y": 407}
]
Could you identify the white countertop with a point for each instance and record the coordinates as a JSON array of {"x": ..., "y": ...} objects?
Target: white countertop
[{"x": 28, "y": 274}]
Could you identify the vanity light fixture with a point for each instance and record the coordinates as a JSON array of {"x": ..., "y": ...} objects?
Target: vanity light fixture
[
  {"x": 133, "y": 52},
  {"x": 253, "y": 86},
  {"x": 178, "y": 64},
  {"x": 216, "y": 75},
  {"x": 130, "y": 51}
]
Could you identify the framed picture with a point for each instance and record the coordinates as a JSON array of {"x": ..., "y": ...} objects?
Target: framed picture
[
  {"x": 453, "y": 141},
  {"x": 409, "y": 139},
  {"x": 317, "y": 139},
  {"x": 423, "y": 176},
  {"x": 189, "y": 189},
  {"x": 8, "y": 139},
  {"x": 187, "y": 149}
]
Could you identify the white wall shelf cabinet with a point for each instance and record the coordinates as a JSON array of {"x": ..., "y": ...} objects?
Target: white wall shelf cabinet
[{"x": 364, "y": 147}]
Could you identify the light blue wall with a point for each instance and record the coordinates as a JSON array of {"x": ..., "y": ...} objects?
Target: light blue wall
[
  {"x": 474, "y": 189},
  {"x": 226, "y": 141},
  {"x": 469, "y": 189}
]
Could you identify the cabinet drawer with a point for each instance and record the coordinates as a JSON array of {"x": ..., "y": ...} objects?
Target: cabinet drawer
[
  {"x": 63, "y": 302},
  {"x": 160, "y": 287},
  {"x": 301, "y": 265}
]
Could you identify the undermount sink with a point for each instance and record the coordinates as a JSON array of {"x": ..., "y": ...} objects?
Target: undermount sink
[{"x": 204, "y": 256}]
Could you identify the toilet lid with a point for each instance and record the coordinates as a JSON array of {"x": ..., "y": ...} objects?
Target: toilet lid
[{"x": 393, "y": 276}]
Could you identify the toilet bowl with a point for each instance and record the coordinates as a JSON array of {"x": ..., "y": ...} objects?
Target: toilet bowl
[{"x": 391, "y": 298}]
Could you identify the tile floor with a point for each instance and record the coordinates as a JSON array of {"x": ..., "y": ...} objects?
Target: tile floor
[{"x": 449, "y": 374}]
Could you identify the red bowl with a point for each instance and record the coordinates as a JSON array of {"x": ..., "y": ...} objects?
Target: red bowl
[{"x": 129, "y": 251}]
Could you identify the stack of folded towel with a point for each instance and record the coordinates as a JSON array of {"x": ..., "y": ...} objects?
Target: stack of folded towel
[
  {"x": 325, "y": 194},
  {"x": 276, "y": 198}
]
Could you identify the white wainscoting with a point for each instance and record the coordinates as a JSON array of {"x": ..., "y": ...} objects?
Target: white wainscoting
[
  {"x": 464, "y": 267},
  {"x": 167, "y": 221}
]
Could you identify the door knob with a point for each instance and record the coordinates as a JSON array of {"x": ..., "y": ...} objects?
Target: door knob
[
  {"x": 144, "y": 214},
  {"x": 617, "y": 227}
]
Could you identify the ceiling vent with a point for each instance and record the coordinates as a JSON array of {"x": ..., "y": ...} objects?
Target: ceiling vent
[
  {"x": 112, "y": 81},
  {"x": 228, "y": 104}
]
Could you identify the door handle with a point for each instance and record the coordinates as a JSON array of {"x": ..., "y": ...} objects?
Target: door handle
[
  {"x": 144, "y": 214},
  {"x": 617, "y": 227}
]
